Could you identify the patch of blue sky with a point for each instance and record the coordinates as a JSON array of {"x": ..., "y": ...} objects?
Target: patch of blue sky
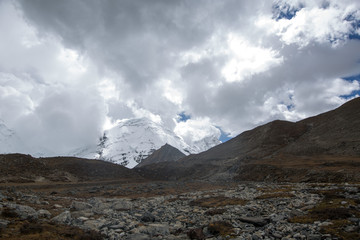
[
  {"x": 224, "y": 136},
  {"x": 290, "y": 107},
  {"x": 284, "y": 11},
  {"x": 352, "y": 78},
  {"x": 354, "y": 93},
  {"x": 355, "y": 34},
  {"x": 183, "y": 117},
  {"x": 355, "y": 23}
]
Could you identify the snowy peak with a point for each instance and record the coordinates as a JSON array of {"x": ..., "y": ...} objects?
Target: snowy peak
[
  {"x": 9, "y": 141},
  {"x": 205, "y": 144},
  {"x": 127, "y": 143},
  {"x": 144, "y": 130},
  {"x": 5, "y": 132},
  {"x": 131, "y": 141}
]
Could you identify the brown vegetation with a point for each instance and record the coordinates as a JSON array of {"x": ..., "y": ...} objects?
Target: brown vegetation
[
  {"x": 221, "y": 228},
  {"x": 275, "y": 195},
  {"x": 216, "y": 211},
  {"x": 20, "y": 168},
  {"x": 25, "y": 230},
  {"x": 218, "y": 201},
  {"x": 334, "y": 208}
]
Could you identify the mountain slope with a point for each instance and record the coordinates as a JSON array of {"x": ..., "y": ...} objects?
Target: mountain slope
[
  {"x": 166, "y": 153},
  {"x": 317, "y": 147},
  {"x": 20, "y": 168}
]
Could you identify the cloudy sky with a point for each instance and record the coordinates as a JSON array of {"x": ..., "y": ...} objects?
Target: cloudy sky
[{"x": 70, "y": 68}]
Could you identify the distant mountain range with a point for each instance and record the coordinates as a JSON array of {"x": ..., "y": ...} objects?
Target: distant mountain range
[
  {"x": 127, "y": 143},
  {"x": 320, "y": 148},
  {"x": 131, "y": 141},
  {"x": 323, "y": 148}
]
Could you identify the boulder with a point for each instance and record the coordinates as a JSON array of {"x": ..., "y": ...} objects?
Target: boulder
[
  {"x": 3, "y": 223},
  {"x": 121, "y": 205},
  {"x": 95, "y": 224},
  {"x": 63, "y": 218},
  {"x": 44, "y": 213},
  {"x": 154, "y": 229},
  {"x": 137, "y": 236},
  {"x": 23, "y": 211},
  {"x": 80, "y": 206},
  {"x": 256, "y": 221},
  {"x": 147, "y": 217}
]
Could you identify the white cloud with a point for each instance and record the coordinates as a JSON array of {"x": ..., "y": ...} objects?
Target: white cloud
[
  {"x": 314, "y": 21},
  {"x": 108, "y": 89},
  {"x": 42, "y": 91},
  {"x": 233, "y": 64},
  {"x": 71, "y": 59},
  {"x": 245, "y": 59},
  {"x": 170, "y": 92},
  {"x": 193, "y": 130},
  {"x": 144, "y": 113}
]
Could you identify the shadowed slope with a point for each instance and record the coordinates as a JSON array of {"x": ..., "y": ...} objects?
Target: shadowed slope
[
  {"x": 166, "y": 153},
  {"x": 24, "y": 168}
]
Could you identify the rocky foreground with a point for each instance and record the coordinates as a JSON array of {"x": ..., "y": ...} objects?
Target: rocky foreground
[{"x": 237, "y": 211}]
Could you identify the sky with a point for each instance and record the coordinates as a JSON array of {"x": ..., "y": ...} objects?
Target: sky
[{"x": 70, "y": 69}]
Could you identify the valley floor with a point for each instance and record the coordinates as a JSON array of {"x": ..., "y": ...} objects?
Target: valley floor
[{"x": 180, "y": 210}]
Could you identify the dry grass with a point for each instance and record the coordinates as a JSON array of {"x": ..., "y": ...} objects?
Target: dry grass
[
  {"x": 275, "y": 195},
  {"x": 333, "y": 208},
  {"x": 336, "y": 229},
  {"x": 282, "y": 192},
  {"x": 217, "y": 201},
  {"x": 284, "y": 188},
  {"x": 221, "y": 228},
  {"x": 322, "y": 214},
  {"x": 177, "y": 199},
  {"x": 213, "y": 212},
  {"x": 25, "y": 230},
  {"x": 9, "y": 213}
]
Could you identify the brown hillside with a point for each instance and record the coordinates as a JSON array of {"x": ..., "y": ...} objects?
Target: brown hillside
[
  {"x": 166, "y": 153},
  {"x": 26, "y": 169},
  {"x": 321, "y": 148}
]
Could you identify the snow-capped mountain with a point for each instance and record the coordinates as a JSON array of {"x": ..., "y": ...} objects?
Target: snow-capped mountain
[
  {"x": 205, "y": 143},
  {"x": 9, "y": 140},
  {"x": 127, "y": 143},
  {"x": 132, "y": 140}
]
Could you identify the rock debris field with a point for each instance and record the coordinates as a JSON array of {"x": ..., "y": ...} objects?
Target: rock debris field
[{"x": 240, "y": 211}]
